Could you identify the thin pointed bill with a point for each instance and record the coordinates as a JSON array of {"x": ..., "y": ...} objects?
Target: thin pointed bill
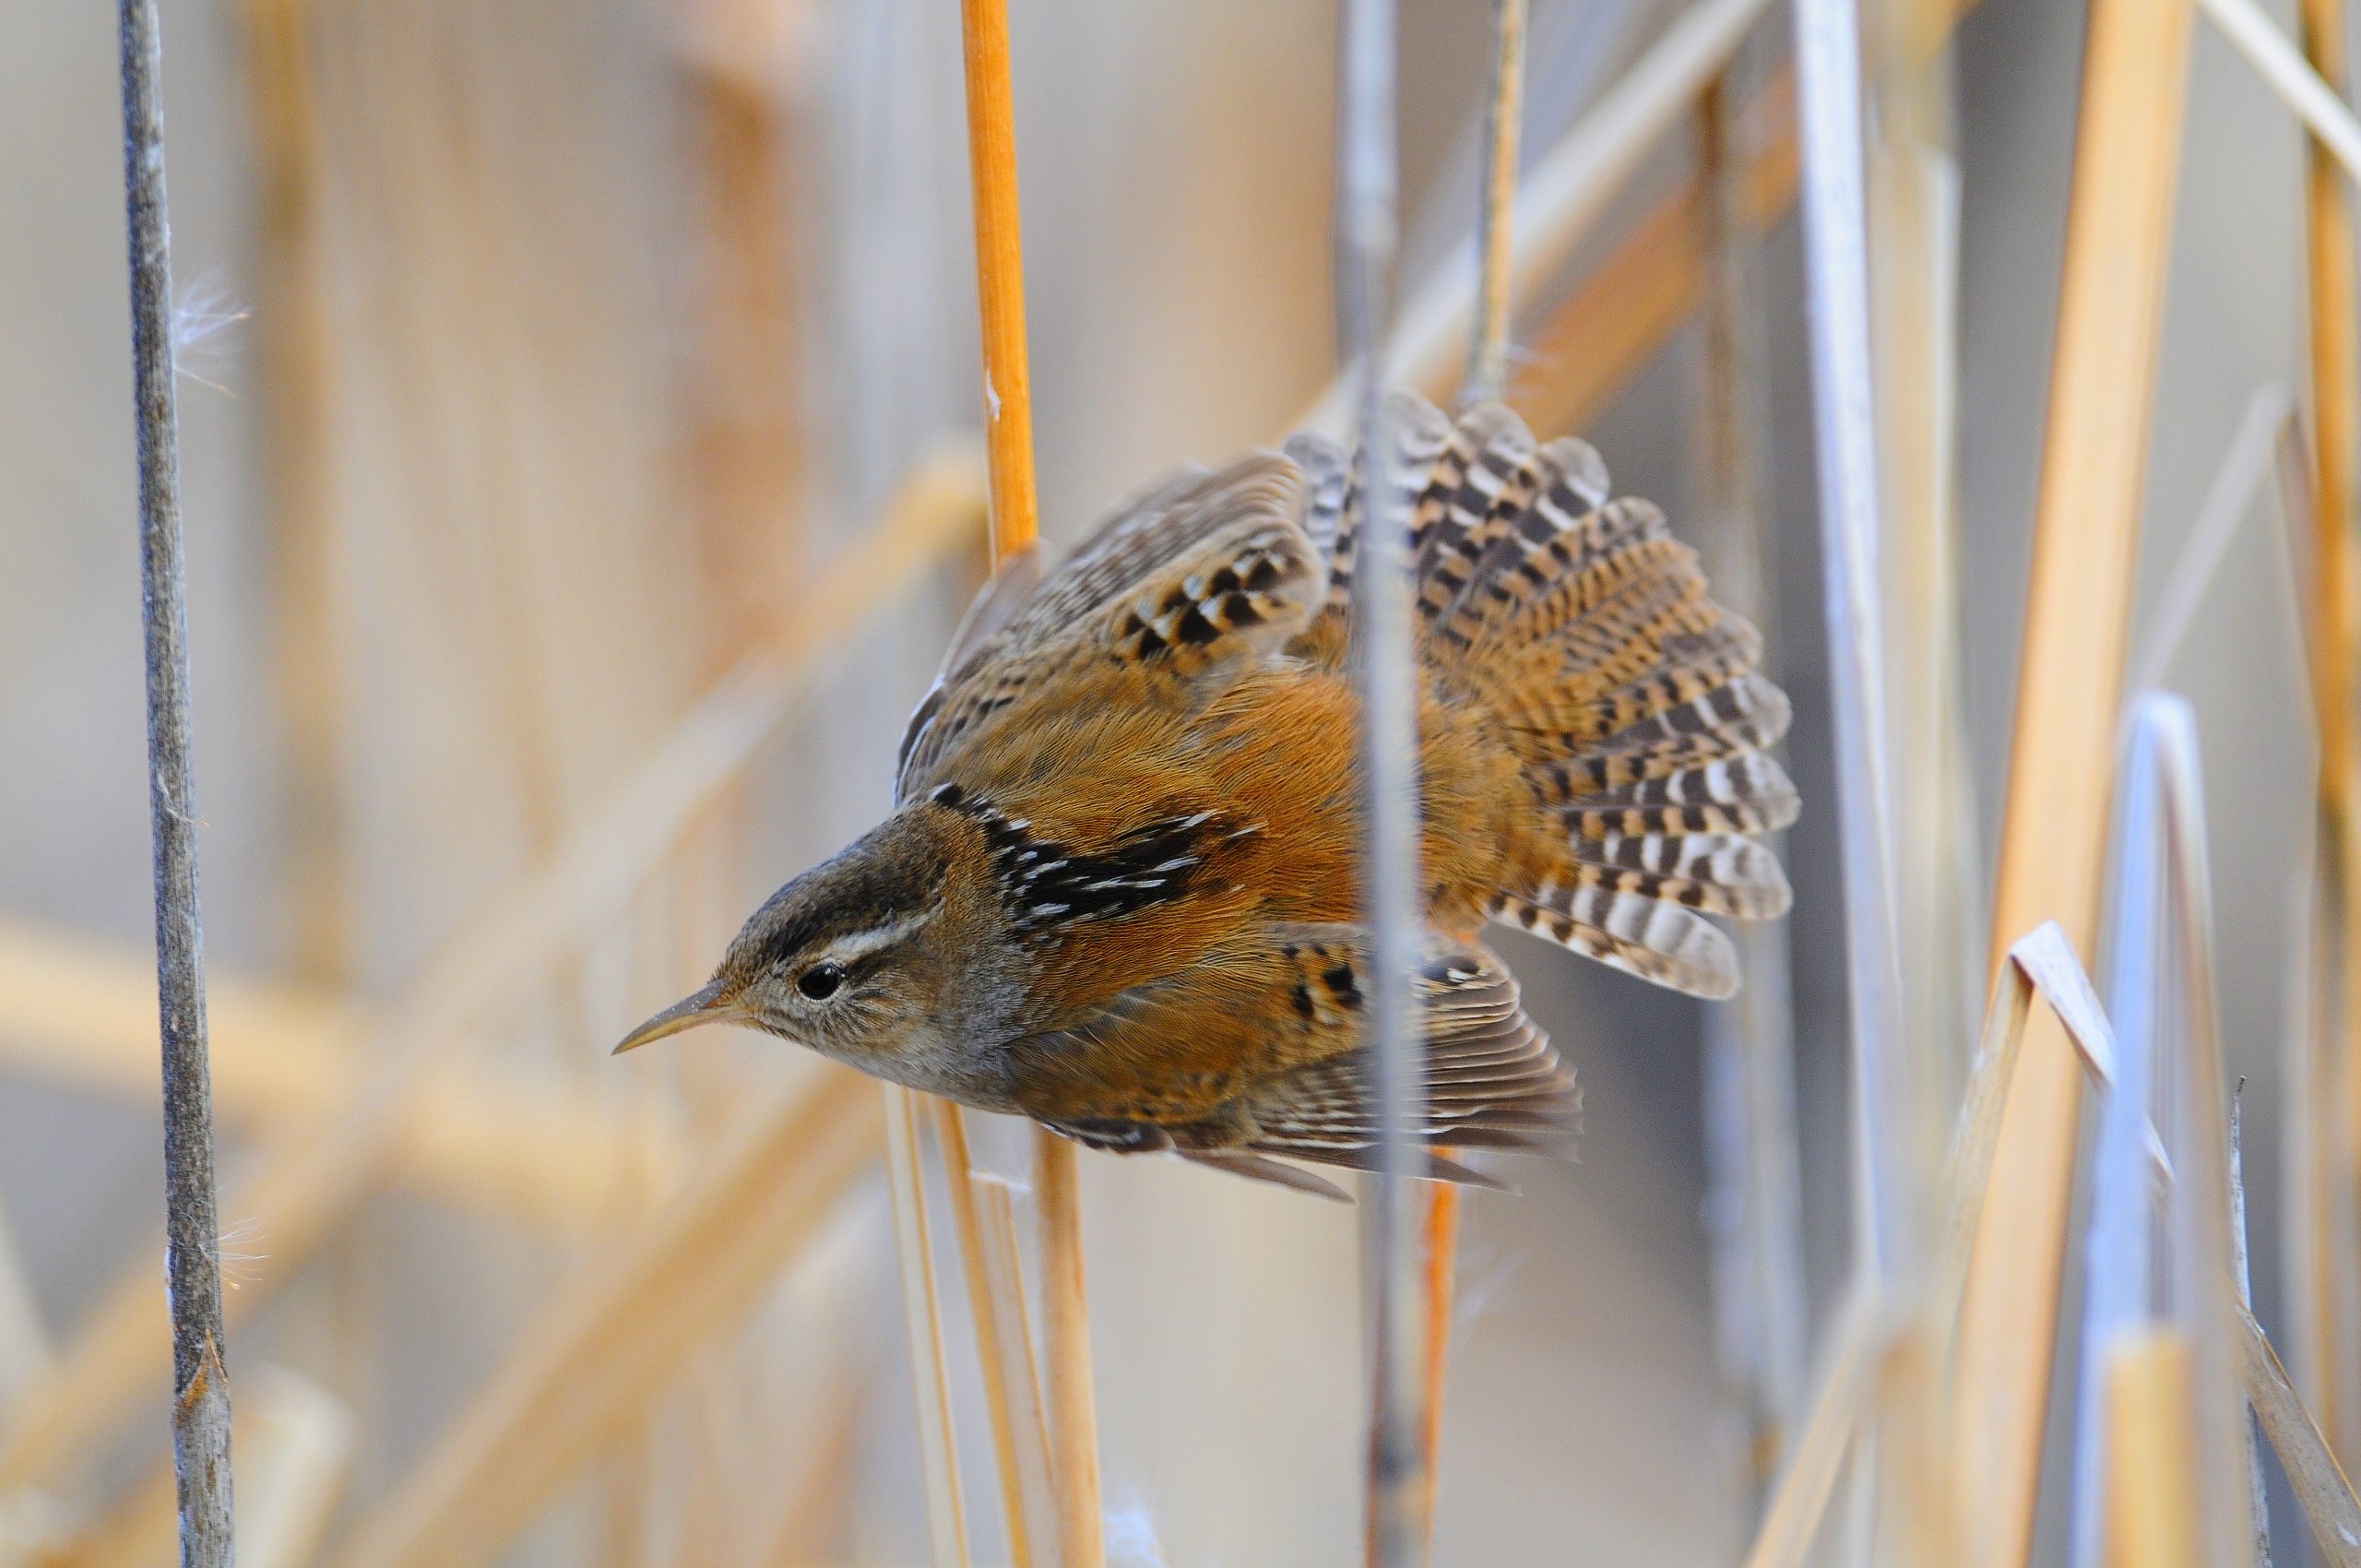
[{"x": 710, "y": 1005}]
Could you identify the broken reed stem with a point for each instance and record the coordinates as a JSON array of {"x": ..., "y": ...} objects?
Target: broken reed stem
[
  {"x": 2062, "y": 764},
  {"x": 2312, "y": 1471},
  {"x": 1487, "y": 347},
  {"x": 2335, "y": 339},
  {"x": 993, "y": 1350},
  {"x": 1008, "y": 419},
  {"x": 922, "y": 1322},
  {"x": 192, "y": 1269}
]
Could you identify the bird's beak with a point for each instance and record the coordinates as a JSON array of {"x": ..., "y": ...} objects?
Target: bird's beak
[{"x": 710, "y": 1005}]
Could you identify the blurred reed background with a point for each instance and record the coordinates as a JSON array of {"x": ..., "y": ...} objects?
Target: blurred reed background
[{"x": 583, "y": 477}]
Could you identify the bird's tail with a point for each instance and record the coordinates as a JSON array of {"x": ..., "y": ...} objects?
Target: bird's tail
[{"x": 1631, "y": 701}]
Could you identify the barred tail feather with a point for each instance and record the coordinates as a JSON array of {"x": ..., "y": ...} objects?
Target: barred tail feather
[
  {"x": 1657, "y": 942},
  {"x": 1630, "y": 698}
]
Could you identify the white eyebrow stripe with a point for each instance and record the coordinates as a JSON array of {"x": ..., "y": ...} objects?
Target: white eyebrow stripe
[{"x": 861, "y": 943}]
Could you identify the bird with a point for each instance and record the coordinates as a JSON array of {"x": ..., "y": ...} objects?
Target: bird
[{"x": 1119, "y": 890}]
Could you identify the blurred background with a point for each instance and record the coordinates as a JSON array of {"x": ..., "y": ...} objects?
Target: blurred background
[{"x": 550, "y": 366}]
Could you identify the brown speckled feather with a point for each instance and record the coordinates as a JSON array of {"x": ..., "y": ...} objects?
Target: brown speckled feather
[{"x": 1119, "y": 893}]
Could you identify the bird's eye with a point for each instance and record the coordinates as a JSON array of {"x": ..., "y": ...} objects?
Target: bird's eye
[{"x": 819, "y": 981}]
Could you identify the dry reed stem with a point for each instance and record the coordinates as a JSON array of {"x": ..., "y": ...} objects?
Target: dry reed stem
[
  {"x": 295, "y": 1443},
  {"x": 543, "y": 1156},
  {"x": 1488, "y": 341},
  {"x": 2304, "y": 1453},
  {"x": 1398, "y": 1531},
  {"x": 2301, "y": 88},
  {"x": 1562, "y": 195},
  {"x": 2334, "y": 299},
  {"x": 1065, "y": 1341},
  {"x": 2061, "y": 762},
  {"x": 1488, "y": 352},
  {"x": 1000, "y": 275},
  {"x": 298, "y": 384},
  {"x": 1004, "y": 1277},
  {"x": 2242, "y": 1277},
  {"x": 1611, "y": 326},
  {"x": 2206, "y": 1225},
  {"x": 946, "y": 1516},
  {"x": 616, "y": 1339},
  {"x": 200, "y": 1380},
  {"x": 1008, "y": 418},
  {"x": 1967, "y": 1165},
  {"x": 1761, "y": 1311},
  {"x": 1800, "y": 1501},
  {"x": 2151, "y": 1476},
  {"x": 1837, "y": 305},
  {"x": 1442, "y": 1256},
  {"x": 990, "y": 1276},
  {"x": 307, "y": 1184}
]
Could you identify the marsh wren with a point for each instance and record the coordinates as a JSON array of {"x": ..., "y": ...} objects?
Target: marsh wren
[{"x": 1119, "y": 891}]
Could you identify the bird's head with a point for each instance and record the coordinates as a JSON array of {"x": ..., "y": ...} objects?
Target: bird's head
[{"x": 848, "y": 958}]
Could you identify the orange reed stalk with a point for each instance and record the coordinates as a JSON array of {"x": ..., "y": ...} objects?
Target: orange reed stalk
[{"x": 1008, "y": 428}]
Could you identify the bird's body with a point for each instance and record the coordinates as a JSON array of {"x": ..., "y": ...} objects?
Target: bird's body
[{"x": 1119, "y": 895}]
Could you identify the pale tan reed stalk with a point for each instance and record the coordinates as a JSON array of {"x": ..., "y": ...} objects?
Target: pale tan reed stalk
[
  {"x": 946, "y": 1516},
  {"x": 2152, "y": 1478},
  {"x": 1008, "y": 420},
  {"x": 991, "y": 1278},
  {"x": 2335, "y": 343},
  {"x": 2061, "y": 765}
]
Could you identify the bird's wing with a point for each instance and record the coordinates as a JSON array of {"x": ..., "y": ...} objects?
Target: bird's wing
[
  {"x": 1261, "y": 1048},
  {"x": 1165, "y": 594}
]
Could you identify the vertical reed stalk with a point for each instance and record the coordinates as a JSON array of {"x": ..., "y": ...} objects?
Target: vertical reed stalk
[
  {"x": 1754, "y": 1162},
  {"x": 192, "y": 1270},
  {"x": 1000, "y": 275},
  {"x": 2257, "y": 1493},
  {"x": 1065, "y": 1341},
  {"x": 2094, "y": 451},
  {"x": 1008, "y": 420},
  {"x": 1398, "y": 1532},
  {"x": 1828, "y": 58},
  {"x": 298, "y": 384},
  {"x": 1487, "y": 344},
  {"x": 2335, "y": 322},
  {"x": 922, "y": 1321},
  {"x": 2152, "y": 1477},
  {"x": 1488, "y": 354},
  {"x": 993, "y": 1352}
]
